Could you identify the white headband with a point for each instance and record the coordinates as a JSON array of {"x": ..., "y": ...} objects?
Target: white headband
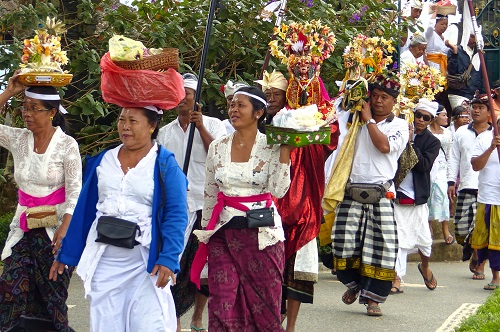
[
  {"x": 154, "y": 109},
  {"x": 40, "y": 96},
  {"x": 251, "y": 96}
]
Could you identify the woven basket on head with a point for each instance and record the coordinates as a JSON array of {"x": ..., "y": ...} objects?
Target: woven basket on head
[{"x": 169, "y": 58}]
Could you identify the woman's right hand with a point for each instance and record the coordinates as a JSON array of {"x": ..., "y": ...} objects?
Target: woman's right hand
[
  {"x": 57, "y": 268},
  {"x": 15, "y": 86}
]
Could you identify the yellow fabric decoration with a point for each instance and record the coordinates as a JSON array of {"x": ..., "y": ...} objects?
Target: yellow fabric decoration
[
  {"x": 325, "y": 232},
  {"x": 334, "y": 191},
  {"x": 483, "y": 237},
  {"x": 441, "y": 60}
]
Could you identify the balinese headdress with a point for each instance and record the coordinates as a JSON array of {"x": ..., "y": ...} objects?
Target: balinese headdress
[
  {"x": 311, "y": 41},
  {"x": 230, "y": 87},
  {"x": 273, "y": 80},
  {"x": 387, "y": 81}
]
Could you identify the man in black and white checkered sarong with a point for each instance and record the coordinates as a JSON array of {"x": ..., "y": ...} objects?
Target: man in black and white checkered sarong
[
  {"x": 460, "y": 163},
  {"x": 364, "y": 235}
]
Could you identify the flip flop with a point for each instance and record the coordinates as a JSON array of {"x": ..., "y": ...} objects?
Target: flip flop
[
  {"x": 478, "y": 276},
  {"x": 350, "y": 296},
  {"x": 491, "y": 287},
  {"x": 396, "y": 290},
  {"x": 449, "y": 241},
  {"x": 431, "y": 283},
  {"x": 198, "y": 329},
  {"x": 373, "y": 310}
]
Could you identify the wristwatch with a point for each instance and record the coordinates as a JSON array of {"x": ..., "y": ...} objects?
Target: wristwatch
[{"x": 371, "y": 121}]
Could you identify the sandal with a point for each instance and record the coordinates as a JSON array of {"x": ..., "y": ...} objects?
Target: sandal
[
  {"x": 350, "y": 296},
  {"x": 396, "y": 290},
  {"x": 431, "y": 283},
  {"x": 478, "y": 276},
  {"x": 373, "y": 310},
  {"x": 491, "y": 286},
  {"x": 198, "y": 329}
]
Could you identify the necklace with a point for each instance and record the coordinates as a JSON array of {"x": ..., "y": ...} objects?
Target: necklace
[{"x": 46, "y": 141}]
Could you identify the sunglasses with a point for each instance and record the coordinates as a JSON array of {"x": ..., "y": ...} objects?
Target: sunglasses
[{"x": 426, "y": 117}]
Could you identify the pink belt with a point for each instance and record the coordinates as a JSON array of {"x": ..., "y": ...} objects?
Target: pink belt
[
  {"x": 222, "y": 200},
  {"x": 57, "y": 197}
]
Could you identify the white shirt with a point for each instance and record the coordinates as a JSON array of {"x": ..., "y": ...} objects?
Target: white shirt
[
  {"x": 127, "y": 196},
  {"x": 262, "y": 173},
  {"x": 372, "y": 166},
  {"x": 229, "y": 127},
  {"x": 41, "y": 174},
  {"x": 440, "y": 166},
  {"x": 489, "y": 177},
  {"x": 434, "y": 43},
  {"x": 175, "y": 139},
  {"x": 460, "y": 156}
]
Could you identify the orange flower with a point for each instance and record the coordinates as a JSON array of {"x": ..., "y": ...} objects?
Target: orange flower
[
  {"x": 297, "y": 139},
  {"x": 390, "y": 195}
]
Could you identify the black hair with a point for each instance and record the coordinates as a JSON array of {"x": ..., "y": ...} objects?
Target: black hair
[
  {"x": 59, "y": 119},
  {"x": 153, "y": 120},
  {"x": 457, "y": 111},
  {"x": 257, "y": 104}
]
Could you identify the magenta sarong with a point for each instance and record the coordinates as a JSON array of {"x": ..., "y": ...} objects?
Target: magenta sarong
[{"x": 244, "y": 282}]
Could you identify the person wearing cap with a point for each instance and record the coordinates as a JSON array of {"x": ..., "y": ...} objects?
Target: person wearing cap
[
  {"x": 439, "y": 204},
  {"x": 459, "y": 163},
  {"x": 274, "y": 86},
  {"x": 47, "y": 171},
  {"x": 485, "y": 160},
  {"x": 245, "y": 258},
  {"x": 174, "y": 137},
  {"x": 411, "y": 210},
  {"x": 137, "y": 183},
  {"x": 415, "y": 53},
  {"x": 229, "y": 89},
  {"x": 415, "y": 12},
  {"x": 359, "y": 226},
  {"x": 461, "y": 58}
]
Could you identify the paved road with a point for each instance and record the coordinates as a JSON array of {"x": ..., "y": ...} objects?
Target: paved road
[{"x": 418, "y": 309}]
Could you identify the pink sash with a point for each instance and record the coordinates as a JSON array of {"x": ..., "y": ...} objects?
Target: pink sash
[
  {"x": 222, "y": 200},
  {"x": 57, "y": 197}
]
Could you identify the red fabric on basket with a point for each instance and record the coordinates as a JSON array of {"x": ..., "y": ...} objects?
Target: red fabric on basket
[{"x": 139, "y": 88}]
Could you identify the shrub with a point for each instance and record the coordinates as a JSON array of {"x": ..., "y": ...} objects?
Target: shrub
[{"x": 5, "y": 221}]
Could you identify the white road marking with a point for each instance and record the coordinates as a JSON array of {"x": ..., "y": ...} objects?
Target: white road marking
[
  {"x": 71, "y": 306},
  {"x": 454, "y": 320}
]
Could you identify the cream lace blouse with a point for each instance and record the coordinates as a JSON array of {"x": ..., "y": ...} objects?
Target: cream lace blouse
[
  {"x": 41, "y": 174},
  {"x": 263, "y": 173}
]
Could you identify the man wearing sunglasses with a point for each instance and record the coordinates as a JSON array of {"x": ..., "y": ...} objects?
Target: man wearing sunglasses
[
  {"x": 411, "y": 211},
  {"x": 459, "y": 162}
]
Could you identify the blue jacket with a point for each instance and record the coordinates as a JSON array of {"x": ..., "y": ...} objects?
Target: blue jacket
[{"x": 169, "y": 215}]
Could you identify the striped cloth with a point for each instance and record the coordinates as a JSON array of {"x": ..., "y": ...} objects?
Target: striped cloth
[
  {"x": 464, "y": 215},
  {"x": 365, "y": 238}
]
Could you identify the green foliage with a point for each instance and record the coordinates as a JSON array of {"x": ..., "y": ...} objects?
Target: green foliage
[
  {"x": 237, "y": 47},
  {"x": 487, "y": 318},
  {"x": 5, "y": 221}
]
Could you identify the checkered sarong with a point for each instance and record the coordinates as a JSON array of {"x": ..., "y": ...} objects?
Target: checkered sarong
[
  {"x": 365, "y": 237},
  {"x": 464, "y": 215}
]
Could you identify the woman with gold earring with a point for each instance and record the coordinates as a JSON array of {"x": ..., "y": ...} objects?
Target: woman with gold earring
[{"x": 48, "y": 171}]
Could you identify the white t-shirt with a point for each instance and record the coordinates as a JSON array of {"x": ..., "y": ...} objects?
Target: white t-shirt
[
  {"x": 372, "y": 166},
  {"x": 489, "y": 177},
  {"x": 175, "y": 139}
]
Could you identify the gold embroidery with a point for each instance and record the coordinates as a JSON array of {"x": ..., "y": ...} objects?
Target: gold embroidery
[{"x": 369, "y": 271}]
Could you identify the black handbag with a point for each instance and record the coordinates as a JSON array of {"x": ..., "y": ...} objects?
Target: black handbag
[
  {"x": 367, "y": 193},
  {"x": 459, "y": 81},
  {"x": 260, "y": 218},
  {"x": 117, "y": 232}
]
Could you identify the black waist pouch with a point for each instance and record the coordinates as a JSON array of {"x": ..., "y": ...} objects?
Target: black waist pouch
[
  {"x": 117, "y": 232},
  {"x": 260, "y": 218}
]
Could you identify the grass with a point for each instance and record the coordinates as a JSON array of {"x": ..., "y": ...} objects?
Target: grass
[
  {"x": 487, "y": 317},
  {"x": 5, "y": 221}
]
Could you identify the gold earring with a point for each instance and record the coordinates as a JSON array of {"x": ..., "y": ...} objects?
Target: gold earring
[
  {"x": 51, "y": 118},
  {"x": 151, "y": 131}
]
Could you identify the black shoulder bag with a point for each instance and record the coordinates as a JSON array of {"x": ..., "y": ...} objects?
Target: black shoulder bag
[{"x": 117, "y": 232}]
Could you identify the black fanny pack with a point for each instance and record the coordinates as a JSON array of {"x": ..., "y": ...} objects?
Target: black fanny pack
[
  {"x": 117, "y": 232},
  {"x": 260, "y": 217},
  {"x": 367, "y": 193}
]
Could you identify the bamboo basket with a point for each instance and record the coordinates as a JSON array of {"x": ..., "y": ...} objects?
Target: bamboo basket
[{"x": 169, "y": 58}]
